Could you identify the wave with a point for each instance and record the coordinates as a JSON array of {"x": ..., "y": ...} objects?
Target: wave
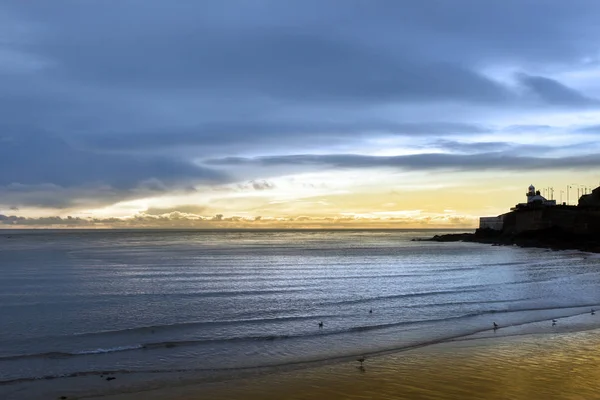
[
  {"x": 316, "y": 333},
  {"x": 108, "y": 350},
  {"x": 295, "y": 363},
  {"x": 279, "y": 365},
  {"x": 471, "y": 289},
  {"x": 196, "y": 342},
  {"x": 319, "y": 333},
  {"x": 58, "y": 354},
  {"x": 192, "y": 324}
]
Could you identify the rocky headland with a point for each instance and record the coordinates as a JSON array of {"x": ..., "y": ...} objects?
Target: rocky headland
[{"x": 553, "y": 238}]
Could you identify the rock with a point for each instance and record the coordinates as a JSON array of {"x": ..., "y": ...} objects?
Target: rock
[{"x": 552, "y": 238}]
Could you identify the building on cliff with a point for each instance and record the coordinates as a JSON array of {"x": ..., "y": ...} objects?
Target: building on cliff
[
  {"x": 590, "y": 200},
  {"x": 534, "y": 198},
  {"x": 540, "y": 213}
]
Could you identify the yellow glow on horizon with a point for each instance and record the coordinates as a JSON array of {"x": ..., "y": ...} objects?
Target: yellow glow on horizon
[{"x": 382, "y": 198}]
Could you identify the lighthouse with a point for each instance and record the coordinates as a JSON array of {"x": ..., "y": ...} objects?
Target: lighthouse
[
  {"x": 530, "y": 193},
  {"x": 534, "y": 196}
]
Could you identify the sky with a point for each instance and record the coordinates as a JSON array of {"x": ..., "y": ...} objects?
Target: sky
[{"x": 293, "y": 114}]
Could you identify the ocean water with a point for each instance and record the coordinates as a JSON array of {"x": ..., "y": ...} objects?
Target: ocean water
[{"x": 81, "y": 303}]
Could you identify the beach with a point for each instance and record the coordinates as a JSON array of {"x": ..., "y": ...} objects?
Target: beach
[
  {"x": 532, "y": 361},
  {"x": 230, "y": 315},
  {"x": 551, "y": 366}
]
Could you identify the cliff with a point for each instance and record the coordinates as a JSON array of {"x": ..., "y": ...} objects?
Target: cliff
[{"x": 554, "y": 238}]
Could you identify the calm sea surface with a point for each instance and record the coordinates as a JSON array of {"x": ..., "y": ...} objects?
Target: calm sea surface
[{"x": 73, "y": 303}]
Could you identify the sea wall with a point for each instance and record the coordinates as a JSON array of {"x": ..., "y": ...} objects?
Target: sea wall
[{"x": 570, "y": 219}]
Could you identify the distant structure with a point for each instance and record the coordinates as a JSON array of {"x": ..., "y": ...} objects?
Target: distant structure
[
  {"x": 540, "y": 213},
  {"x": 534, "y": 197}
]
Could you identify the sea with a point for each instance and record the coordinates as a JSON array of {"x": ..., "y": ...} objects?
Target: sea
[{"x": 76, "y": 303}]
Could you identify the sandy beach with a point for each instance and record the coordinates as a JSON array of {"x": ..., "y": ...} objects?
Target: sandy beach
[
  {"x": 531, "y": 361},
  {"x": 554, "y": 365}
]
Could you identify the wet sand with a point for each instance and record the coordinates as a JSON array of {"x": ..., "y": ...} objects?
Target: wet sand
[
  {"x": 533, "y": 361},
  {"x": 558, "y": 362}
]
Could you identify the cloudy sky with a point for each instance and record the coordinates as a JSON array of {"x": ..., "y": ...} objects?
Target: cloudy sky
[{"x": 271, "y": 113}]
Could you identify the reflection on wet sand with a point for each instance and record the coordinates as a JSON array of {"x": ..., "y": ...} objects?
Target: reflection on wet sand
[{"x": 561, "y": 366}]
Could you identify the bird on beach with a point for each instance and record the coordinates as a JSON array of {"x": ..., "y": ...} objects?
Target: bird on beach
[
  {"x": 361, "y": 360},
  {"x": 554, "y": 322},
  {"x": 321, "y": 324},
  {"x": 495, "y": 326}
]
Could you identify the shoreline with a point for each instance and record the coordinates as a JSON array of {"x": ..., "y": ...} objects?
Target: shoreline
[
  {"x": 542, "y": 352},
  {"x": 551, "y": 238},
  {"x": 580, "y": 332}
]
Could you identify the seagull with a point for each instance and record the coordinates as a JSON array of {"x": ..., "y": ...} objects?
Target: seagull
[
  {"x": 361, "y": 360},
  {"x": 321, "y": 324},
  {"x": 554, "y": 322},
  {"x": 495, "y": 326}
]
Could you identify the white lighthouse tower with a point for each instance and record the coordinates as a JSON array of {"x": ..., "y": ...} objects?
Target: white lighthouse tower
[{"x": 530, "y": 193}]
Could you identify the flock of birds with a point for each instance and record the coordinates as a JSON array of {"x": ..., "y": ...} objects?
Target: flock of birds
[{"x": 362, "y": 359}]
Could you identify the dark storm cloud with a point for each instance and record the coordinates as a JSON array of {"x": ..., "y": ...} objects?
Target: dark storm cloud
[
  {"x": 482, "y": 161},
  {"x": 128, "y": 92}
]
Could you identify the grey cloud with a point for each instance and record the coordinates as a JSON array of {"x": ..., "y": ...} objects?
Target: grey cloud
[
  {"x": 504, "y": 148},
  {"x": 386, "y": 52},
  {"x": 44, "y": 171},
  {"x": 44, "y": 159},
  {"x": 593, "y": 129},
  {"x": 187, "y": 209},
  {"x": 48, "y": 221},
  {"x": 86, "y": 195},
  {"x": 280, "y": 60},
  {"x": 264, "y": 185},
  {"x": 553, "y": 92},
  {"x": 275, "y": 133},
  {"x": 218, "y": 31},
  {"x": 279, "y": 63},
  {"x": 477, "y": 147},
  {"x": 482, "y": 161}
]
